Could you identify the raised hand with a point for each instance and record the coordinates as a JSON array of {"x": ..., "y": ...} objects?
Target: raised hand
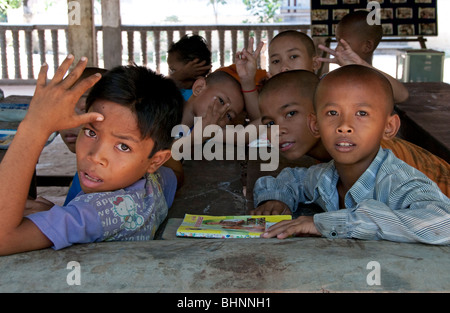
[
  {"x": 53, "y": 105},
  {"x": 246, "y": 63},
  {"x": 190, "y": 72},
  {"x": 343, "y": 55}
]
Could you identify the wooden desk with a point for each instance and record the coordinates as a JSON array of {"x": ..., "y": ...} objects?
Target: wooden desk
[{"x": 425, "y": 117}]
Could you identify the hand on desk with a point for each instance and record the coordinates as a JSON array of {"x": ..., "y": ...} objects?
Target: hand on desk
[
  {"x": 38, "y": 205},
  {"x": 272, "y": 207},
  {"x": 301, "y": 226}
]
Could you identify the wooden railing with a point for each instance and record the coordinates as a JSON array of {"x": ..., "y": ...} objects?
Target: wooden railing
[{"x": 23, "y": 48}]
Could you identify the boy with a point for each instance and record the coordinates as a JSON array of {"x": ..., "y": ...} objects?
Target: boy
[
  {"x": 216, "y": 98},
  {"x": 286, "y": 100},
  {"x": 366, "y": 192},
  {"x": 357, "y": 41},
  {"x": 125, "y": 139},
  {"x": 288, "y": 50},
  {"x": 188, "y": 59},
  {"x": 69, "y": 136}
]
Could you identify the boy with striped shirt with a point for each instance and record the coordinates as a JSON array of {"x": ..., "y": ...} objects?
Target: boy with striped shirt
[{"x": 365, "y": 191}]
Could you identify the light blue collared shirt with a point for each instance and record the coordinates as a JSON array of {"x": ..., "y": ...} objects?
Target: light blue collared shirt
[{"x": 391, "y": 200}]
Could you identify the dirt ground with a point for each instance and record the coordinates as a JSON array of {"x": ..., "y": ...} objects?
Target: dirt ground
[{"x": 55, "y": 159}]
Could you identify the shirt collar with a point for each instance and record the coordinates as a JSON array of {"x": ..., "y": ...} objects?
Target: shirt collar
[{"x": 327, "y": 186}]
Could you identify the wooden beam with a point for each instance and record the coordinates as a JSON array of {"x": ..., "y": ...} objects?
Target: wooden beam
[
  {"x": 112, "y": 35},
  {"x": 81, "y": 31}
]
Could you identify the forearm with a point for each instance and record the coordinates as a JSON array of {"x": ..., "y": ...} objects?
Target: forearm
[
  {"x": 374, "y": 220},
  {"x": 287, "y": 187},
  {"x": 16, "y": 171},
  {"x": 399, "y": 90}
]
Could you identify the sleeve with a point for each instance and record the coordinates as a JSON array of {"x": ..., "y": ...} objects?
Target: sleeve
[
  {"x": 287, "y": 187},
  {"x": 414, "y": 212},
  {"x": 168, "y": 184},
  {"x": 64, "y": 226}
]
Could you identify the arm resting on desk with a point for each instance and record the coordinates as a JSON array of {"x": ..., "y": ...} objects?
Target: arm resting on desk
[{"x": 51, "y": 108}]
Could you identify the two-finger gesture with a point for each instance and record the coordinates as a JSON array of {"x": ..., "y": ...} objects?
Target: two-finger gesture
[
  {"x": 343, "y": 55},
  {"x": 246, "y": 62},
  {"x": 217, "y": 113}
]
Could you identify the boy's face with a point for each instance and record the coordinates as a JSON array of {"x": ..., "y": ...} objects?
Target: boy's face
[
  {"x": 289, "y": 110},
  {"x": 351, "y": 120},
  {"x": 111, "y": 154},
  {"x": 69, "y": 136},
  {"x": 289, "y": 53},
  {"x": 225, "y": 92},
  {"x": 174, "y": 62}
]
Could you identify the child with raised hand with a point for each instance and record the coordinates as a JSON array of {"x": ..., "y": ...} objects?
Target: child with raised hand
[
  {"x": 126, "y": 138},
  {"x": 365, "y": 191},
  {"x": 188, "y": 59},
  {"x": 288, "y": 50},
  {"x": 357, "y": 41},
  {"x": 70, "y": 135}
]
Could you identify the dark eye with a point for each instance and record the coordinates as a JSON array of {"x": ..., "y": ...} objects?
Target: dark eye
[
  {"x": 123, "y": 147},
  {"x": 89, "y": 133},
  {"x": 362, "y": 113},
  {"x": 275, "y": 61},
  {"x": 294, "y": 56},
  {"x": 332, "y": 113},
  {"x": 221, "y": 101},
  {"x": 291, "y": 114},
  {"x": 270, "y": 124}
]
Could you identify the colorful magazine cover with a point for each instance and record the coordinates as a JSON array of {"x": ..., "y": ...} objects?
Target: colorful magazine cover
[{"x": 244, "y": 226}]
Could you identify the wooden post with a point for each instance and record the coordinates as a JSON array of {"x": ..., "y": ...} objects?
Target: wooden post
[
  {"x": 81, "y": 31},
  {"x": 112, "y": 35}
]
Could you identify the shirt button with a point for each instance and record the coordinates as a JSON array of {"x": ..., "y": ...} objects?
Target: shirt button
[{"x": 333, "y": 233}]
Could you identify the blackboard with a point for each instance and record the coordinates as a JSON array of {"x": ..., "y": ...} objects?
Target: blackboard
[{"x": 401, "y": 18}]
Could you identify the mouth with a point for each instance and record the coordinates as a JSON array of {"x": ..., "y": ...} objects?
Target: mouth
[
  {"x": 71, "y": 137},
  {"x": 285, "y": 146},
  {"x": 89, "y": 180},
  {"x": 345, "y": 146}
]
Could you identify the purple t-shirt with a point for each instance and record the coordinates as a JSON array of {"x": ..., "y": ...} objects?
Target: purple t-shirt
[{"x": 133, "y": 213}]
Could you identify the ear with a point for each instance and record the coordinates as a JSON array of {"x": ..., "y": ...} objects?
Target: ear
[
  {"x": 316, "y": 63},
  {"x": 369, "y": 46},
  {"x": 198, "y": 86},
  {"x": 158, "y": 159},
  {"x": 313, "y": 126},
  {"x": 392, "y": 127}
]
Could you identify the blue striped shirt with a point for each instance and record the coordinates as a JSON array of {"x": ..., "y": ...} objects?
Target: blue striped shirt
[{"x": 391, "y": 200}]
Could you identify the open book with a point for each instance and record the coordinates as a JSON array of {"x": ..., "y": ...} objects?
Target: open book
[{"x": 244, "y": 226}]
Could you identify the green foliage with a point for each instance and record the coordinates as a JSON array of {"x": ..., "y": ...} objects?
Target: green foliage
[
  {"x": 172, "y": 19},
  {"x": 265, "y": 10},
  {"x": 9, "y": 4}
]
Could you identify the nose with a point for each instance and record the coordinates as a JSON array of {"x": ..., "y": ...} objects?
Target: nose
[
  {"x": 344, "y": 129},
  {"x": 282, "y": 129},
  {"x": 97, "y": 154},
  {"x": 285, "y": 68}
]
